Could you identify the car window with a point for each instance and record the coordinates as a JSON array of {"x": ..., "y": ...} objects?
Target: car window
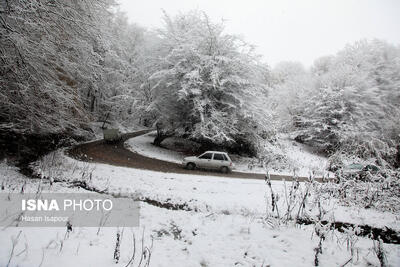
[
  {"x": 225, "y": 157},
  {"x": 371, "y": 168},
  {"x": 206, "y": 156},
  {"x": 219, "y": 156}
]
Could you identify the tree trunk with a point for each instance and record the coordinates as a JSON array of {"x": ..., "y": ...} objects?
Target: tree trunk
[
  {"x": 161, "y": 136},
  {"x": 397, "y": 160},
  {"x": 104, "y": 122}
]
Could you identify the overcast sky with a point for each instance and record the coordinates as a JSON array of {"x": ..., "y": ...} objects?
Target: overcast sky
[{"x": 301, "y": 30}]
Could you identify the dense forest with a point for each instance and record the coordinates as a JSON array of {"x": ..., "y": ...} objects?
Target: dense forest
[{"x": 66, "y": 65}]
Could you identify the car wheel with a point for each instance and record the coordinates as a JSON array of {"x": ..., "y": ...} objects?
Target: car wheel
[
  {"x": 190, "y": 166},
  {"x": 224, "y": 169}
]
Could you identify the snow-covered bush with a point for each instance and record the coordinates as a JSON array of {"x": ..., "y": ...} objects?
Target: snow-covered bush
[
  {"x": 379, "y": 190},
  {"x": 364, "y": 152}
]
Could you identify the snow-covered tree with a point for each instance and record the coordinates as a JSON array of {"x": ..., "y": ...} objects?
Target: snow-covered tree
[
  {"x": 51, "y": 57},
  {"x": 120, "y": 79},
  {"x": 354, "y": 107},
  {"x": 291, "y": 86},
  {"x": 205, "y": 80},
  {"x": 66, "y": 64}
]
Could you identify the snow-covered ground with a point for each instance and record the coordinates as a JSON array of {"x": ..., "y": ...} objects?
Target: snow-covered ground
[
  {"x": 286, "y": 156},
  {"x": 143, "y": 145},
  {"x": 224, "y": 223}
]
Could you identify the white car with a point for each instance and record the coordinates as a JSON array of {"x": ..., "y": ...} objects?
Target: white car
[{"x": 210, "y": 160}]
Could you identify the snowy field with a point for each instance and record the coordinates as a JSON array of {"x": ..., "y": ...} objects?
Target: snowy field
[
  {"x": 286, "y": 157},
  {"x": 215, "y": 222}
]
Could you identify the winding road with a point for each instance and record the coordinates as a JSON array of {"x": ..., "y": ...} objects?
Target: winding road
[{"x": 117, "y": 155}]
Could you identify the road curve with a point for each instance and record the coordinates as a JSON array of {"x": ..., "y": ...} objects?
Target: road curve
[{"x": 116, "y": 154}]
